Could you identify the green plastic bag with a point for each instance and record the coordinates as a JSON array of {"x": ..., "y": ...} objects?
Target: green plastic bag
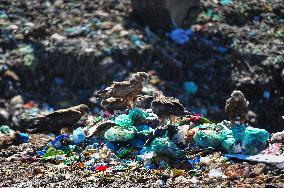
[
  {"x": 123, "y": 120},
  {"x": 254, "y": 140},
  {"x": 120, "y": 134},
  {"x": 136, "y": 114},
  {"x": 164, "y": 146},
  {"x": 207, "y": 138},
  {"x": 227, "y": 140}
]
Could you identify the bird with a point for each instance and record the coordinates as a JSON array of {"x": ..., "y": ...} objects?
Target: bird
[
  {"x": 144, "y": 101},
  {"x": 57, "y": 120},
  {"x": 237, "y": 107},
  {"x": 111, "y": 104},
  {"x": 126, "y": 90},
  {"x": 167, "y": 107}
]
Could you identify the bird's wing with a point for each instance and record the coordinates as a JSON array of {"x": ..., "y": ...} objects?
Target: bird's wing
[
  {"x": 122, "y": 89},
  {"x": 62, "y": 113}
]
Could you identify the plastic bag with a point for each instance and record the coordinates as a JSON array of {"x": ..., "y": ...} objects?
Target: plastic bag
[
  {"x": 164, "y": 146},
  {"x": 254, "y": 140},
  {"x": 207, "y": 138},
  {"x": 120, "y": 134}
]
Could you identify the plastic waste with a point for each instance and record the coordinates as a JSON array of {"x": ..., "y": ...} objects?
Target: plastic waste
[
  {"x": 57, "y": 143},
  {"x": 164, "y": 146},
  {"x": 51, "y": 153},
  {"x": 120, "y": 134},
  {"x": 123, "y": 120},
  {"x": 78, "y": 135},
  {"x": 22, "y": 137},
  {"x": 216, "y": 173},
  {"x": 181, "y": 136},
  {"x": 5, "y": 129},
  {"x": 277, "y": 137},
  {"x": 135, "y": 39},
  {"x": 101, "y": 168},
  {"x": 144, "y": 130},
  {"x": 137, "y": 114},
  {"x": 207, "y": 138},
  {"x": 190, "y": 87},
  {"x": 181, "y": 36},
  {"x": 254, "y": 140}
]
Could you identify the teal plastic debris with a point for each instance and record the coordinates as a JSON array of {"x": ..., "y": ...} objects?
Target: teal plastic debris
[
  {"x": 123, "y": 120},
  {"x": 190, "y": 87},
  {"x": 225, "y": 2},
  {"x": 227, "y": 140},
  {"x": 135, "y": 39},
  {"x": 254, "y": 140},
  {"x": 137, "y": 114},
  {"x": 144, "y": 130},
  {"x": 3, "y": 15},
  {"x": 164, "y": 146},
  {"x": 5, "y": 129},
  {"x": 22, "y": 137},
  {"x": 78, "y": 135},
  {"x": 120, "y": 134},
  {"x": 207, "y": 138}
]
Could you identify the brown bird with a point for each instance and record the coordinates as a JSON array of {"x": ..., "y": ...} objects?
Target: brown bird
[
  {"x": 57, "y": 120},
  {"x": 237, "y": 107},
  {"x": 127, "y": 90},
  {"x": 111, "y": 104},
  {"x": 144, "y": 101},
  {"x": 168, "y": 107}
]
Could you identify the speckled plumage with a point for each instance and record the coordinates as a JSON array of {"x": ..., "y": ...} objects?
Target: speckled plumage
[
  {"x": 126, "y": 90},
  {"x": 111, "y": 104},
  {"x": 59, "y": 119},
  {"x": 237, "y": 107},
  {"x": 167, "y": 106}
]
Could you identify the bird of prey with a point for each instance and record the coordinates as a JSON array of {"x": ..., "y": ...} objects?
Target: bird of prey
[
  {"x": 111, "y": 104},
  {"x": 144, "y": 101},
  {"x": 126, "y": 90},
  {"x": 57, "y": 120},
  {"x": 168, "y": 107},
  {"x": 237, "y": 107}
]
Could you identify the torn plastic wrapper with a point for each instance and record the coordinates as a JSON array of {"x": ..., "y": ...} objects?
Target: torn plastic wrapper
[{"x": 275, "y": 160}]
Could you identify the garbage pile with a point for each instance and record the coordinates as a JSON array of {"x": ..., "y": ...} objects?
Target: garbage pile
[
  {"x": 162, "y": 136},
  {"x": 112, "y": 143},
  {"x": 172, "y": 139}
]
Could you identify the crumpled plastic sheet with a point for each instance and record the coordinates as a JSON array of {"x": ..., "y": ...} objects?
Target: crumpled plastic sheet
[{"x": 278, "y": 161}]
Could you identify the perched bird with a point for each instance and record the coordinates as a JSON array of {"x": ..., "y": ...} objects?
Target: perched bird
[
  {"x": 144, "y": 101},
  {"x": 111, "y": 104},
  {"x": 237, "y": 107},
  {"x": 57, "y": 120},
  {"x": 167, "y": 107},
  {"x": 126, "y": 90}
]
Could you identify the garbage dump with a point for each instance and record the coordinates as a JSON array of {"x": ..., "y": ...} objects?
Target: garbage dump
[
  {"x": 128, "y": 139},
  {"x": 137, "y": 93}
]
